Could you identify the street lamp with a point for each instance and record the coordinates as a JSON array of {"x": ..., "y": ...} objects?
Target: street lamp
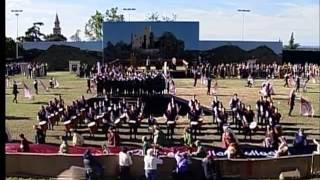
[
  {"x": 17, "y": 11},
  {"x": 243, "y": 11},
  {"x": 129, "y": 9}
]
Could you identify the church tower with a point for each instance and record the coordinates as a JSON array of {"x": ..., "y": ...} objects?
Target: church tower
[{"x": 57, "y": 29}]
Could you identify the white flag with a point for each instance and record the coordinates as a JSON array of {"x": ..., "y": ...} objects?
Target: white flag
[{"x": 56, "y": 84}]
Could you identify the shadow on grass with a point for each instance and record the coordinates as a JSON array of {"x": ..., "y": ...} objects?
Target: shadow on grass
[
  {"x": 17, "y": 118},
  {"x": 40, "y": 102}
]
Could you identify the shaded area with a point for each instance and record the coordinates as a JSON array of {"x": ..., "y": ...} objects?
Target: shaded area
[{"x": 17, "y": 118}]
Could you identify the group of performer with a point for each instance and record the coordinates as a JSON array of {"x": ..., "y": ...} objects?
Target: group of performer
[
  {"x": 119, "y": 81},
  {"x": 101, "y": 113},
  {"x": 13, "y": 69},
  {"x": 256, "y": 70}
]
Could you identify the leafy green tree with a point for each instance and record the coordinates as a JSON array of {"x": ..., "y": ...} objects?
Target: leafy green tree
[
  {"x": 112, "y": 15},
  {"x": 93, "y": 28},
  {"x": 33, "y": 34},
  {"x": 76, "y": 36},
  {"x": 55, "y": 37},
  {"x": 169, "y": 45},
  {"x": 153, "y": 17},
  {"x": 11, "y": 48},
  {"x": 291, "y": 44}
]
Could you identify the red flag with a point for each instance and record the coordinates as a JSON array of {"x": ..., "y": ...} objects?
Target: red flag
[
  {"x": 26, "y": 91},
  {"x": 306, "y": 108}
]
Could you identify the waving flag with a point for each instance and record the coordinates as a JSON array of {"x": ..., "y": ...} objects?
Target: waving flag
[
  {"x": 292, "y": 82},
  {"x": 56, "y": 84},
  {"x": 306, "y": 108},
  {"x": 7, "y": 83},
  {"x": 26, "y": 91},
  {"x": 215, "y": 87},
  {"x": 44, "y": 86}
]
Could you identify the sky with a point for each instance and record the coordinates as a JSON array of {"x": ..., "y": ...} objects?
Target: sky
[{"x": 268, "y": 20}]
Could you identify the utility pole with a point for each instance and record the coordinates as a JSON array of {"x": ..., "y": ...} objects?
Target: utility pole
[
  {"x": 17, "y": 11},
  {"x": 243, "y": 11}
]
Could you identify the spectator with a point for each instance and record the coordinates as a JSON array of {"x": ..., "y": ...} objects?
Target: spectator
[
  {"x": 125, "y": 162},
  {"x": 63, "y": 147},
  {"x": 145, "y": 145},
  {"x": 228, "y": 137},
  {"x": 113, "y": 137},
  {"x": 283, "y": 147},
  {"x": 24, "y": 144},
  {"x": 187, "y": 137},
  {"x": 93, "y": 169},
  {"x": 150, "y": 165},
  {"x": 159, "y": 138},
  {"x": 200, "y": 150},
  {"x": 270, "y": 139},
  {"x": 105, "y": 149},
  {"x": 209, "y": 167},
  {"x": 182, "y": 167},
  {"x": 231, "y": 151},
  {"x": 300, "y": 141},
  {"x": 40, "y": 135},
  {"x": 77, "y": 139}
]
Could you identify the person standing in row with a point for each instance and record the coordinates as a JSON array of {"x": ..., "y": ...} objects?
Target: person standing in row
[
  {"x": 291, "y": 101},
  {"x": 209, "y": 84},
  {"x": 89, "y": 85},
  {"x": 35, "y": 85},
  {"x": 15, "y": 92}
]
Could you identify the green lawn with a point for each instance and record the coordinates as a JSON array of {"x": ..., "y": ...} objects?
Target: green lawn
[{"x": 20, "y": 117}]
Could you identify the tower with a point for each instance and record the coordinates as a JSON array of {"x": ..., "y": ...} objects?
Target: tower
[{"x": 57, "y": 29}]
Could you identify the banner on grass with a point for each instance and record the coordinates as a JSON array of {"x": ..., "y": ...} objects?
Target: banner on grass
[
  {"x": 306, "y": 108},
  {"x": 27, "y": 92},
  {"x": 44, "y": 86}
]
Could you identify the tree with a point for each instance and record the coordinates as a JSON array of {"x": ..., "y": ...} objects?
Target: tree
[
  {"x": 93, "y": 28},
  {"x": 291, "y": 44},
  {"x": 76, "y": 37},
  {"x": 169, "y": 45},
  {"x": 11, "y": 48},
  {"x": 153, "y": 17},
  {"x": 173, "y": 18},
  {"x": 55, "y": 37},
  {"x": 33, "y": 34},
  {"x": 113, "y": 16}
]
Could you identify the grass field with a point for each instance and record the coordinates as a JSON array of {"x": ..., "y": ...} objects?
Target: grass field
[{"x": 20, "y": 117}]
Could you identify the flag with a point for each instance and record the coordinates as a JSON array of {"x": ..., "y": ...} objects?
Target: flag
[
  {"x": 44, "y": 86},
  {"x": 314, "y": 80},
  {"x": 7, "y": 83},
  {"x": 98, "y": 67},
  {"x": 306, "y": 108},
  {"x": 56, "y": 84},
  {"x": 292, "y": 82},
  {"x": 26, "y": 91},
  {"x": 290, "y": 93},
  {"x": 215, "y": 87}
]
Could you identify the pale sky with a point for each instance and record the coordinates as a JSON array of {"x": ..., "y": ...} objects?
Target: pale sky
[{"x": 269, "y": 20}]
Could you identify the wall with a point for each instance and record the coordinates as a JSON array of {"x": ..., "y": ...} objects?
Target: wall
[
  {"x": 121, "y": 31},
  {"x": 52, "y": 165}
]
